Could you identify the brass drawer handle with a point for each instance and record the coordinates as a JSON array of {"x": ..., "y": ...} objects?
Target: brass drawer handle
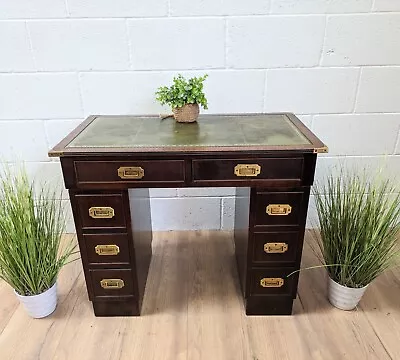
[
  {"x": 101, "y": 212},
  {"x": 276, "y": 248},
  {"x": 131, "y": 172},
  {"x": 107, "y": 249},
  {"x": 278, "y": 209},
  {"x": 247, "y": 170},
  {"x": 112, "y": 284},
  {"x": 272, "y": 282}
]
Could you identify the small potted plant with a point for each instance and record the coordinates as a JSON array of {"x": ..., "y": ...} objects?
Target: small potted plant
[
  {"x": 184, "y": 96},
  {"x": 359, "y": 225},
  {"x": 31, "y": 251}
]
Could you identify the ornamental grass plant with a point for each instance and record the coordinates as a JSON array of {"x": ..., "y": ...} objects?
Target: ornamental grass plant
[
  {"x": 31, "y": 226},
  {"x": 359, "y": 226}
]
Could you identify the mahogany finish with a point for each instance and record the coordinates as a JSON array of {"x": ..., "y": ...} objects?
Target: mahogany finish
[
  {"x": 271, "y": 168},
  {"x": 293, "y": 199},
  {"x": 104, "y": 172},
  {"x": 264, "y": 243},
  {"x": 113, "y": 218},
  {"x": 119, "y": 243},
  {"x": 85, "y": 202}
]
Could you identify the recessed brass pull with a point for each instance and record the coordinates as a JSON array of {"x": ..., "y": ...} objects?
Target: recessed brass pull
[
  {"x": 276, "y": 248},
  {"x": 101, "y": 212},
  {"x": 272, "y": 282},
  {"x": 278, "y": 209},
  {"x": 107, "y": 249},
  {"x": 112, "y": 284},
  {"x": 131, "y": 172},
  {"x": 247, "y": 170}
]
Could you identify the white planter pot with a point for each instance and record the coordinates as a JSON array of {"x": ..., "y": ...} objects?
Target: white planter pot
[
  {"x": 343, "y": 297},
  {"x": 42, "y": 305}
]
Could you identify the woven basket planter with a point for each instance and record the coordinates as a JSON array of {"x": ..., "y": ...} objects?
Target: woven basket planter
[{"x": 187, "y": 113}]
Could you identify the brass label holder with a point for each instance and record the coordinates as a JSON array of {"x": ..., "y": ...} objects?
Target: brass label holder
[
  {"x": 278, "y": 209},
  {"x": 113, "y": 284},
  {"x": 272, "y": 282},
  {"x": 131, "y": 172},
  {"x": 101, "y": 212},
  {"x": 276, "y": 248},
  {"x": 106, "y": 250},
  {"x": 247, "y": 170}
]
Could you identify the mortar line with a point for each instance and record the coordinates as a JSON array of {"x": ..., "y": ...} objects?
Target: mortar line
[
  {"x": 324, "y": 41},
  {"x": 128, "y": 39},
  {"x": 28, "y": 34},
  {"x": 357, "y": 91},
  {"x": 67, "y": 8},
  {"x": 396, "y": 145}
]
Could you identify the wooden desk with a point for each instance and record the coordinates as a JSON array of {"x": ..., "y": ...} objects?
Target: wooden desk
[{"x": 110, "y": 162}]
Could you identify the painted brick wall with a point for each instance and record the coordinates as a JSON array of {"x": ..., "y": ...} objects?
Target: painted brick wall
[{"x": 336, "y": 63}]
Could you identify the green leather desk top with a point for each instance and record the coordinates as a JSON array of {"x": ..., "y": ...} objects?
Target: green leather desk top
[{"x": 111, "y": 134}]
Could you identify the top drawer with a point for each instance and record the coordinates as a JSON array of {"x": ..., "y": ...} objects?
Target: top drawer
[
  {"x": 249, "y": 169},
  {"x": 130, "y": 171}
]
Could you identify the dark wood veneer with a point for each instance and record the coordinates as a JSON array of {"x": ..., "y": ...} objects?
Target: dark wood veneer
[
  {"x": 120, "y": 240},
  {"x": 89, "y": 172},
  {"x": 263, "y": 258},
  {"x": 264, "y": 199},
  {"x": 91, "y": 175},
  {"x": 271, "y": 168}
]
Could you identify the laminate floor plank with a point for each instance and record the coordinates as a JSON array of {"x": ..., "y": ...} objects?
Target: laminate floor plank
[
  {"x": 381, "y": 304},
  {"x": 333, "y": 333},
  {"x": 193, "y": 310},
  {"x": 161, "y": 331},
  {"x": 215, "y": 310}
]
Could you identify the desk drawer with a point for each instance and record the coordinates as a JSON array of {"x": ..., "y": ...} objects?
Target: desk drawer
[
  {"x": 112, "y": 282},
  {"x": 130, "y": 171},
  {"x": 272, "y": 248},
  {"x": 278, "y": 208},
  {"x": 107, "y": 248},
  {"x": 272, "y": 281},
  {"x": 249, "y": 169},
  {"x": 101, "y": 211}
]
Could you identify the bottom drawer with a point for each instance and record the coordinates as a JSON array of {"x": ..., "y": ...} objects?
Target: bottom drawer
[
  {"x": 112, "y": 282},
  {"x": 273, "y": 281}
]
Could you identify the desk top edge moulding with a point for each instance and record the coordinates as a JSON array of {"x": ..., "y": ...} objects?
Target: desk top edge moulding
[
  {"x": 228, "y": 132},
  {"x": 109, "y": 163}
]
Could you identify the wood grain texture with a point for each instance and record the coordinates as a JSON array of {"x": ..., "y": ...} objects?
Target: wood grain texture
[{"x": 193, "y": 309}]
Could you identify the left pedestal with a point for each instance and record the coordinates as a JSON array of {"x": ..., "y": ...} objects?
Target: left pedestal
[{"x": 114, "y": 235}]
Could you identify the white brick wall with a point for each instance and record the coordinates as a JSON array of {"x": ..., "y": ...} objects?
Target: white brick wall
[
  {"x": 320, "y": 6},
  {"x": 336, "y": 63},
  {"x": 101, "y": 45},
  {"x": 164, "y": 44},
  {"x": 312, "y": 90},
  {"x": 362, "y": 40},
  {"x": 274, "y": 41}
]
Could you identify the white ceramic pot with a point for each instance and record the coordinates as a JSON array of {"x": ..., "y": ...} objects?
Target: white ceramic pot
[
  {"x": 42, "y": 305},
  {"x": 343, "y": 297}
]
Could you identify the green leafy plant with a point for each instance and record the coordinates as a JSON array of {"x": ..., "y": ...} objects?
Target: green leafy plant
[
  {"x": 359, "y": 225},
  {"x": 183, "y": 91},
  {"x": 31, "y": 252}
]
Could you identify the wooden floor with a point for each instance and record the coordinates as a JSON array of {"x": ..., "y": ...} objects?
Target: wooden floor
[{"x": 193, "y": 310}]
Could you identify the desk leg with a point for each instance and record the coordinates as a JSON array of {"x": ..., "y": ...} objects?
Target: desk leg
[
  {"x": 241, "y": 233},
  {"x": 138, "y": 214},
  {"x": 276, "y": 299},
  {"x": 133, "y": 237}
]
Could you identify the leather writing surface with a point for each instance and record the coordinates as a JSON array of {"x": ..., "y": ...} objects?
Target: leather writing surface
[{"x": 211, "y": 130}]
